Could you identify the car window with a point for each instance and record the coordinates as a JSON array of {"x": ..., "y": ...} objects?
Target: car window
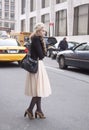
[
  {"x": 70, "y": 45},
  {"x": 87, "y": 47},
  {"x": 8, "y": 43},
  {"x": 83, "y": 47}
]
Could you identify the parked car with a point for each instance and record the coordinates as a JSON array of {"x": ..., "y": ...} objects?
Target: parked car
[
  {"x": 11, "y": 50},
  {"x": 50, "y": 42},
  {"x": 71, "y": 45},
  {"x": 77, "y": 57}
]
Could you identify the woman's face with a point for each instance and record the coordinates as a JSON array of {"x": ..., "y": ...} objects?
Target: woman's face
[{"x": 42, "y": 32}]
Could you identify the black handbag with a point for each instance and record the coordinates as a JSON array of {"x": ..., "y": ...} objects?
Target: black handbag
[{"x": 29, "y": 64}]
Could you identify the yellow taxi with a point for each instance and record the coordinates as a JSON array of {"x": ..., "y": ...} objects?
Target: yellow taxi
[
  {"x": 11, "y": 50},
  {"x": 21, "y": 37}
]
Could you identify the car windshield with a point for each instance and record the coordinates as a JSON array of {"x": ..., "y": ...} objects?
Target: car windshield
[
  {"x": 72, "y": 44},
  {"x": 9, "y": 43},
  {"x": 50, "y": 40}
]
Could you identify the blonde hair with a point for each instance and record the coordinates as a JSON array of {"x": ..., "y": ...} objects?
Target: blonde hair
[
  {"x": 37, "y": 29},
  {"x": 39, "y": 26}
]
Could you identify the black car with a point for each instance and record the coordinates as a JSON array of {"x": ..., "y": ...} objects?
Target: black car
[
  {"x": 77, "y": 57},
  {"x": 50, "y": 42},
  {"x": 71, "y": 45}
]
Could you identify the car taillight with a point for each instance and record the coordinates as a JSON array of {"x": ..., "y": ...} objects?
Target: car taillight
[
  {"x": 1, "y": 51},
  {"x": 26, "y": 50}
]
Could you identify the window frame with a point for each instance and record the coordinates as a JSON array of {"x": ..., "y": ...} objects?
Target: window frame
[{"x": 76, "y": 20}]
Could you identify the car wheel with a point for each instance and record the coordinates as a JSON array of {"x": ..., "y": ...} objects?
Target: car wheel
[
  {"x": 52, "y": 56},
  {"x": 62, "y": 64}
]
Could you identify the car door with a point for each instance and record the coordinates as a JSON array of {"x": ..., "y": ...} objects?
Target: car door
[{"x": 81, "y": 56}]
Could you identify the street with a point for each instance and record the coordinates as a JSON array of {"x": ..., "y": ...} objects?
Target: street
[{"x": 66, "y": 109}]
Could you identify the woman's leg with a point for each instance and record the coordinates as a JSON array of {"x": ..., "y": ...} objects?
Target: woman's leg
[
  {"x": 39, "y": 112},
  {"x": 29, "y": 111},
  {"x": 39, "y": 104},
  {"x": 32, "y": 104}
]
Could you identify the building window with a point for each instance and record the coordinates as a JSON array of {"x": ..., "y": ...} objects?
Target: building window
[
  {"x": 22, "y": 25},
  {"x": 32, "y": 5},
  {"x": 45, "y": 3},
  {"x": 6, "y": 15},
  {"x": 6, "y": 0},
  {"x": 32, "y": 23},
  {"x": 12, "y": 0},
  {"x": 12, "y": 8},
  {"x": 12, "y": 4},
  {"x": 12, "y": 16},
  {"x": 60, "y": 1},
  {"x": 23, "y": 7},
  {"x": 0, "y": 24},
  {"x": 12, "y": 26},
  {"x": 6, "y": 24},
  {"x": 0, "y": 6},
  {"x": 81, "y": 20},
  {"x": 61, "y": 23},
  {"x": 6, "y": 7},
  {"x": 0, "y": 14},
  {"x": 46, "y": 20}
]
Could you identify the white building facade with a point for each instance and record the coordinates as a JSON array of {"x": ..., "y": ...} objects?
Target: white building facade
[
  {"x": 8, "y": 14},
  {"x": 62, "y": 18}
]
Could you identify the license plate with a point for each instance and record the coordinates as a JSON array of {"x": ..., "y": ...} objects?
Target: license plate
[{"x": 12, "y": 51}]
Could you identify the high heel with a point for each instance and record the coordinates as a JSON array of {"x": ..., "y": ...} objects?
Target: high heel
[
  {"x": 40, "y": 115},
  {"x": 30, "y": 114}
]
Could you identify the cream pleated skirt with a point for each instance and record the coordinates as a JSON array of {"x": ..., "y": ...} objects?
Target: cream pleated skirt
[{"x": 38, "y": 84}]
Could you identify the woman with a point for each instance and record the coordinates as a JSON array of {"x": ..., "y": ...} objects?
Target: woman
[{"x": 37, "y": 85}]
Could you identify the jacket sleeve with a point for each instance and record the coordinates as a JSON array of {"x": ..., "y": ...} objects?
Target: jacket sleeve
[{"x": 38, "y": 48}]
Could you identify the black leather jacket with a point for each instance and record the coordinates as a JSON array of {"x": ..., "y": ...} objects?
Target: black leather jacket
[{"x": 36, "y": 48}]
